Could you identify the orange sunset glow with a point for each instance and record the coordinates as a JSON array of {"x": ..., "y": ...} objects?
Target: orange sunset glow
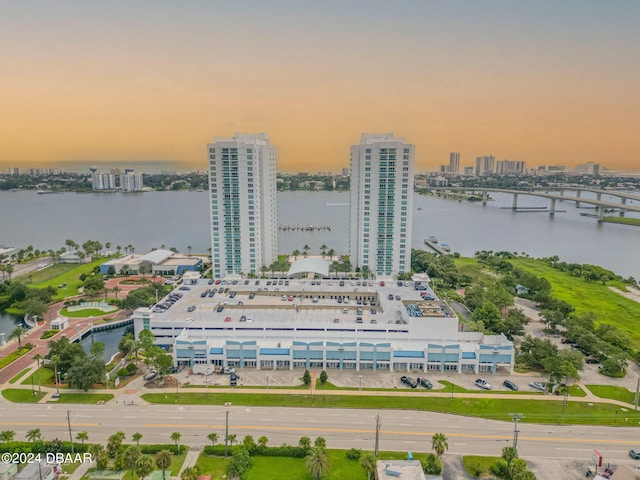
[{"x": 540, "y": 82}]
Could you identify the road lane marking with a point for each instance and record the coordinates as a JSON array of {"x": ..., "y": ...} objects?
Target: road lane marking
[{"x": 395, "y": 432}]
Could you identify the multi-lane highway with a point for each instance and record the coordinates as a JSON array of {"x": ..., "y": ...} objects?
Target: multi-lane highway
[{"x": 343, "y": 428}]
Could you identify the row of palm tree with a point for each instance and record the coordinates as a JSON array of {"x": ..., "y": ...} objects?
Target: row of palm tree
[{"x": 324, "y": 250}]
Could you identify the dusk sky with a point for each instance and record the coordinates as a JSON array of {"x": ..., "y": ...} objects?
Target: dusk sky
[{"x": 541, "y": 81}]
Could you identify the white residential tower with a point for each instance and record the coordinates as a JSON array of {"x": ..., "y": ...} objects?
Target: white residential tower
[
  {"x": 242, "y": 187},
  {"x": 381, "y": 204}
]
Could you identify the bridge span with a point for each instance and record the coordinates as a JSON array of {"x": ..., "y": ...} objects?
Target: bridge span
[{"x": 554, "y": 197}]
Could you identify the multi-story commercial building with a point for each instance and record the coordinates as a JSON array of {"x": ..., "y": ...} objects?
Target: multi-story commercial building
[
  {"x": 242, "y": 186},
  {"x": 485, "y": 165},
  {"x": 382, "y": 169},
  {"x": 510, "y": 167},
  {"x": 454, "y": 162},
  {"x": 103, "y": 181},
  {"x": 468, "y": 171}
]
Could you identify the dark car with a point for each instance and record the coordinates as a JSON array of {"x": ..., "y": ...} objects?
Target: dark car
[
  {"x": 408, "y": 381},
  {"x": 211, "y": 281},
  {"x": 510, "y": 385},
  {"x": 423, "y": 382},
  {"x": 220, "y": 308},
  {"x": 635, "y": 454}
]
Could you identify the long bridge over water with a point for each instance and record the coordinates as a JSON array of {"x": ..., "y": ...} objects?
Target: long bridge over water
[{"x": 600, "y": 204}]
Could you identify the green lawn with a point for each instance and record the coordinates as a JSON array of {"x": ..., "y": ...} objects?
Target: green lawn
[
  {"x": 86, "y": 398},
  {"x": 66, "y": 273},
  {"x": 22, "y": 395},
  {"x": 43, "y": 375},
  {"x": 86, "y": 312},
  {"x": 608, "y": 306},
  {"x": 17, "y": 377},
  {"x": 614, "y": 393},
  {"x": 263, "y": 468},
  {"x": 623, "y": 220},
  {"x": 545, "y": 410},
  {"x": 478, "y": 466},
  {"x": 176, "y": 464}
]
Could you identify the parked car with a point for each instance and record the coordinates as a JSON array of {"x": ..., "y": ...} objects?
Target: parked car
[
  {"x": 635, "y": 454},
  {"x": 510, "y": 385},
  {"x": 423, "y": 382},
  {"x": 220, "y": 308},
  {"x": 227, "y": 319},
  {"x": 482, "y": 383},
  {"x": 210, "y": 282},
  {"x": 538, "y": 386},
  {"x": 408, "y": 381},
  {"x": 191, "y": 308},
  {"x": 150, "y": 376}
]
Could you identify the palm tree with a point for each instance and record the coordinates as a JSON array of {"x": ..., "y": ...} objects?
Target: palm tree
[
  {"x": 118, "y": 249},
  {"x": 190, "y": 473},
  {"x": 175, "y": 437},
  {"x": 262, "y": 441},
  {"x": 136, "y": 437},
  {"x": 115, "y": 290},
  {"x": 37, "y": 357},
  {"x": 189, "y": 247},
  {"x": 320, "y": 442},
  {"x": 99, "y": 455},
  {"x": 213, "y": 437},
  {"x": 9, "y": 270},
  {"x": 317, "y": 463},
  {"x": 34, "y": 435},
  {"x": 231, "y": 438},
  {"x": 306, "y": 249},
  {"x": 439, "y": 443},
  {"x": 144, "y": 466},
  {"x": 323, "y": 250},
  {"x": 108, "y": 246},
  {"x": 131, "y": 456},
  {"x": 296, "y": 254},
  {"x": 368, "y": 462},
  {"x": 331, "y": 252},
  {"x": 17, "y": 333},
  {"x": 82, "y": 436},
  {"x": 7, "y": 436},
  {"x": 163, "y": 460}
]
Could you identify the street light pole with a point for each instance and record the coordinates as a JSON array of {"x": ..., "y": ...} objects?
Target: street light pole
[
  {"x": 226, "y": 434},
  {"x": 359, "y": 382},
  {"x": 377, "y": 442},
  {"x": 635, "y": 403},
  {"x": 69, "y": 424},
  {"x": 516, "y": 417}
]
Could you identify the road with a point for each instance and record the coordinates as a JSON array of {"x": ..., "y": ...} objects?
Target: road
[{"x": 342, "y": 428}]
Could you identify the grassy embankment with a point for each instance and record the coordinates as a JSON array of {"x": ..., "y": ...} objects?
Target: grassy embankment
[
  {"x": 623, "y": 220},
  {"x": 590, "y": 297},
  {"x": 535, "y": 411}
]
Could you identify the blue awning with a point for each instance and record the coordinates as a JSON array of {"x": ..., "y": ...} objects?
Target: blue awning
[
  {"x": 274, "y": 351},
  {"x": 468, "y": 355},
  {"x": 409, "y": 354}
]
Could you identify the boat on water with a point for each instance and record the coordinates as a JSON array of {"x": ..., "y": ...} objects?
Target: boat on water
[
  {"x": 432, "y": 239},
  {"x": 445, "y": 247},
  {"x": 45, "y": 192},
  {"x": 419, "y": 208}
]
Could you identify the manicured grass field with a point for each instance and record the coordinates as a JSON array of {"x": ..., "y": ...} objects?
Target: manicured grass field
[
  {"x": 176, "y": 464},
  {"x": 264, "y": 468},
  {"x": 85, "y": 312},
  {"x": 535, "y": 411},
  {"x": 22, "y": 395},
  {"x": 61, "y": 273},
  {"x": 17, "y": 377},
  {"x": 85, "y": 398},
  {"x": 608, "y": 306},
  {"x": 612, "y": 392},
  {"x": 43, "y": 375}
]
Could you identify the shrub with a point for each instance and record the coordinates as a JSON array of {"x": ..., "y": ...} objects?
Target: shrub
[
  {"x": 353, "y": 454},
  {"x": 131, "y": 368},
  {"x": 153, "y": 449},
  {"x": 48, "y": 334},
  {"x": 323, "y": 377}
]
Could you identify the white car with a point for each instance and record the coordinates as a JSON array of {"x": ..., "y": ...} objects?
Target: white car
[
  {"x": 538, "y": 386},
  {"x": 482, "y": 383}
]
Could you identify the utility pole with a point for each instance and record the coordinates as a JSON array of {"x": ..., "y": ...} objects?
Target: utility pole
[
  {"x": 70, "y": 436},
  {"x": 635, "y": 402},
  {"x": 377, "y": 442},
  {"x": 516, "y": 418},
  {"x": 226, "y": 435}
]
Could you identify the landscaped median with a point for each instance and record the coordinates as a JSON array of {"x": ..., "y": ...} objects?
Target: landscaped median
[{"x": 544, "y": 410}]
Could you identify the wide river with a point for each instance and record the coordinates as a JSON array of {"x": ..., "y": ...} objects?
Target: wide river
[{"x": 181, "y": 219}]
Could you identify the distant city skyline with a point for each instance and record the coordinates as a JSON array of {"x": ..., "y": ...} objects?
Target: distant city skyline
[{"x": 541, "y": 82}]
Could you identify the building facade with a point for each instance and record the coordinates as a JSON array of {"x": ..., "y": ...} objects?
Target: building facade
[
  {"x": 382, "y": 170},
  {"x": 454, "y": 162},
  {"x": 243, "y": 204},
  {"x": 510, "y": 167},
  {"x": 485, "y": 165}
]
